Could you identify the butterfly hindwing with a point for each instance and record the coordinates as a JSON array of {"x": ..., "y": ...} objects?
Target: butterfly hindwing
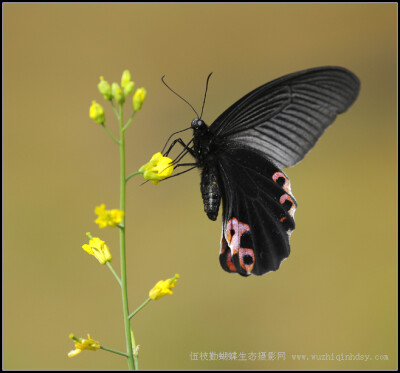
[
  {"x": 284, "y": 118},
  {"x": 258, "y": 211}
]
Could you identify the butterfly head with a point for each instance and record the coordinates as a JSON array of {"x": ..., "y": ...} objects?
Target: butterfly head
[{"x": 199, "y": 125}]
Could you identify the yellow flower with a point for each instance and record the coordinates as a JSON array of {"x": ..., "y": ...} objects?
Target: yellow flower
[
  {"x": 105, "y": 89},
  {"x": 110, "y": 218},
  {"x": 83, "y": 344},
  {"x": 118, "y": 93},
  {"x": 138, "y": 98},
  {"x": 98, "y": 248},
  {"x": 157, "y": 169},
  {"x": 96, "y": 113},
  {"x": 163, "y": 288}
]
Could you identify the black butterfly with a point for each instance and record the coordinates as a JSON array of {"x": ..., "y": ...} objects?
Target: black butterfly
[{"x": 241, "y": 155}]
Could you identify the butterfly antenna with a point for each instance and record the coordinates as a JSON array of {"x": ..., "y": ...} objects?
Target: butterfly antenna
[
  {"x": 162, "y": 79},
  {"x": 205, "y": 95}
]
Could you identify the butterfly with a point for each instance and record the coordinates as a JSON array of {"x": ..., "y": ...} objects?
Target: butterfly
[{"x": 242, "y": 153}]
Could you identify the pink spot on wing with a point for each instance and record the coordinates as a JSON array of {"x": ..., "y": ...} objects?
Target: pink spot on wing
[
  {"x": 246, "y": 259},
  {"x": 233, "y": 234},
  {"x": 286, "y": 185},
  {"x": 224, "y": 247},
  {"x": 286, "y": 197},
  {"x": 234, "y": 230}
]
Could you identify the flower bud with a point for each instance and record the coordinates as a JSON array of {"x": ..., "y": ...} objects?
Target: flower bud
[
  {"x": 128, "y": 88},
  {"x": 117, "y": 93},
  {"x": 126, "y": 78},
  {"x": 96, "y": 112},
  {"x": 105, "y": 89},
  {"x": 138, "y": 98}
]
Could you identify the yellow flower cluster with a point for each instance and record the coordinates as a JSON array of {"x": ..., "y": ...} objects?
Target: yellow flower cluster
[
  {"x": 157, "y": 169},
  {"x": 119, "y": 94}
]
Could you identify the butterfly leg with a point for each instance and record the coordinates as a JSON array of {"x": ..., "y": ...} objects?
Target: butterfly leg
[
  {"x": 180, "y": 156},
  {"x": 193, "y": 165},
  {"x": 183, "y": 172},
  {"x": 169, "y": 138},
  {"x": 180, "y": 141},
  {"x": 186, "y": 164}
]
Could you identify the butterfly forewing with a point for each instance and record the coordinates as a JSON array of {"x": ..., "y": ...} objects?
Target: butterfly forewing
[{"x": 284, "y": 119}]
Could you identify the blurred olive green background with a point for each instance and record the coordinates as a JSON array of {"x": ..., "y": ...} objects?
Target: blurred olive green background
[{"x": 336, "y": 293}]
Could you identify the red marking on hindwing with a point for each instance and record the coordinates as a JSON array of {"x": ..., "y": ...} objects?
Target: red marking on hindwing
[
  {"x": 286, "y": 185},
  {"x": 246, "y": 259},
  {"x": 228, "y": 258},
  {"x": 224, "y": 244},
  {"x": 232, "y": 229},
  {"x": 234, "y": 232},
  {"x": 286, "y": 197}
]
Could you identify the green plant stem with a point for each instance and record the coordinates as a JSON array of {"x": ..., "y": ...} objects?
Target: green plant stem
[
  {"x": 110, "y": 134},
  {"x": 139, "y": 308},
  {"x": 113, "y": 351},
  {"x": 133, "y": 174},
  {"x": 136, "y": 352},
  {"x": 124, "y": 289},
  {"x": 129, "y": 120},
  {"x": 114, "y": 273},
  {"x": 114, "y": 108},
  {"x": 135, "y": 355}
]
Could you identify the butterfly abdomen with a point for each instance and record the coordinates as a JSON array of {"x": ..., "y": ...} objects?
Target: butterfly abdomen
[{"x": 210, "y": 191}]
